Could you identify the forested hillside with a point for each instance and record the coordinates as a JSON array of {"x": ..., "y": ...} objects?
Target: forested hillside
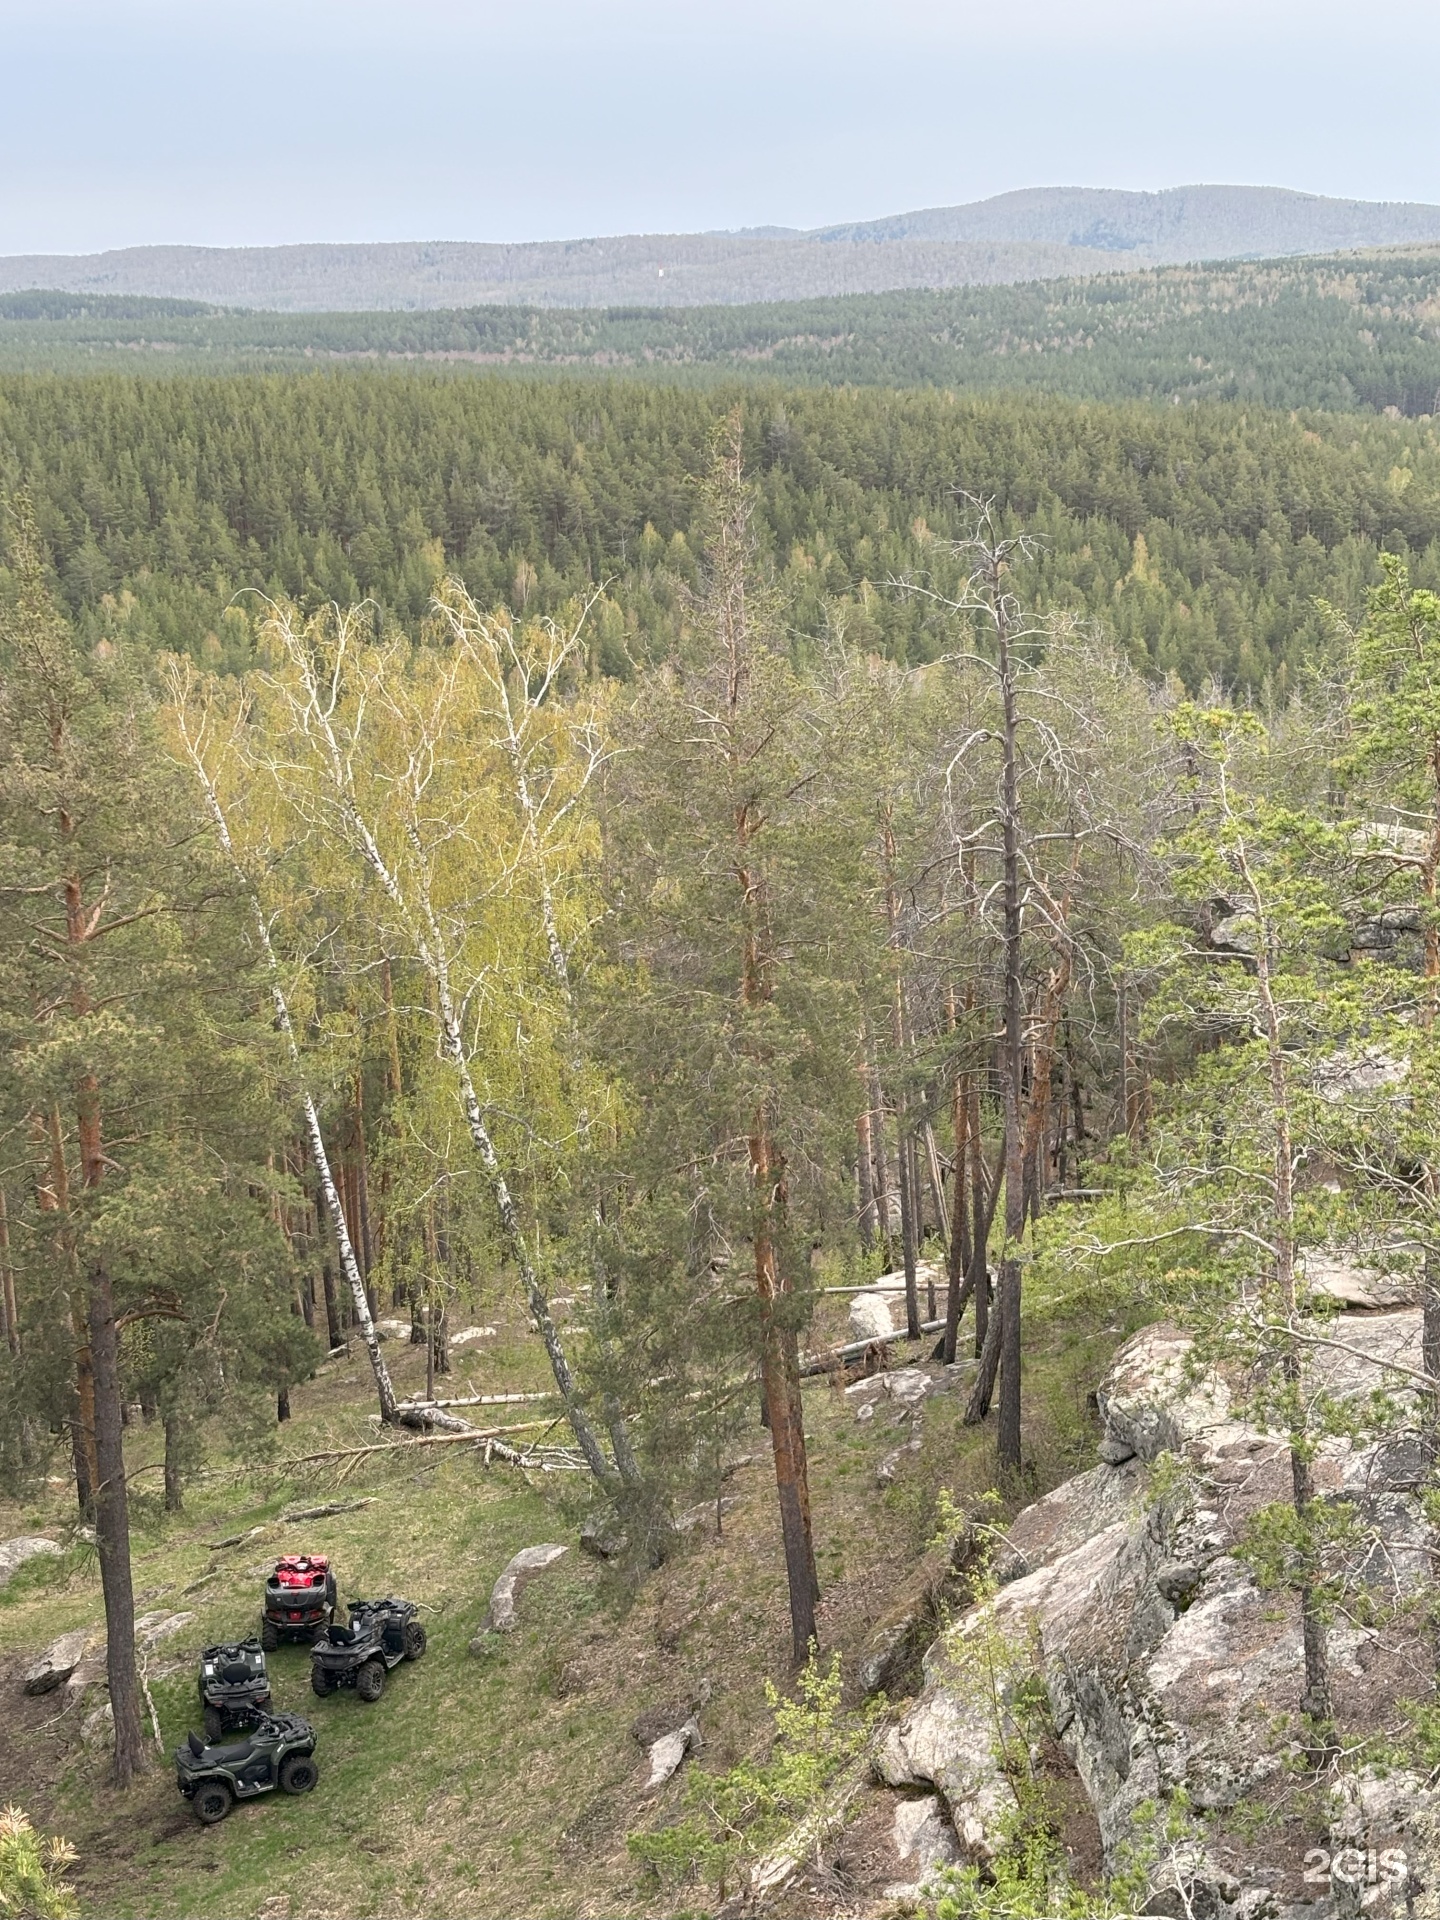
[
  {"x": 1353, "y": 332},
  {"x": 549, "y": 928},
  {"x": 1198, "y": 539}
]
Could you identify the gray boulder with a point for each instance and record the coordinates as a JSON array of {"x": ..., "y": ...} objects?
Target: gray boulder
[
  {"x": 871, "y": 1318},
  {"x": 666, "y": 1753},
  {"x": 924, "y": 1837},
  {"x": 152, "y": 1628},
  {"x": 904, "y": 1386},
  {"x": 501, "y": 1616},
  {"x": 25, "y": 1546},
  {"x": 58, "y": 1662}
]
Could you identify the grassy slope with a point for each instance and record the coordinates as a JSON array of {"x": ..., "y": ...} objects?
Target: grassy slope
[{"x": 502, "y": 1786}]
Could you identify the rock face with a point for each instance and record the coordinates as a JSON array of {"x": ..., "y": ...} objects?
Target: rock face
[
  {"x": 501, "y": 1616},
  {"x": 1166, "y": 1667},
  {"x": 1356, "y": 1285},
  {"x": 14, "y": 1553},
  {"x": 906, "y": 1386}
]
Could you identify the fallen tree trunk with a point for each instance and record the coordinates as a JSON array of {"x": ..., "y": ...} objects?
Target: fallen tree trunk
[
  {"x": 472, "y": 1436},
  {"x": 475, "y": 1400},
  {"x": 837, "y": 1357}
]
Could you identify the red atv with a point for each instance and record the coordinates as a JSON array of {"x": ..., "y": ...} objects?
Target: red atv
[{"x": 299, "y": 1599}]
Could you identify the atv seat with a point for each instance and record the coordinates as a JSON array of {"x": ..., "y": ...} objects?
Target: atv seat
[
  {"x": 236, "y": 1674},
  {"x": 343, "y": 1636},
  {"x": 234, "y": 1755}
]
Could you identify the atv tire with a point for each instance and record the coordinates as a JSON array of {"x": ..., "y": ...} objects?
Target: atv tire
[
  {"x": 321, "y": 1682},
  {"x": 414, "y": 1640},
  {"x": 269, "y": 1635},
  {"x": 370, "y": 1681},
  {"x": 298, "y": 1773},
  {"x": 214, "y": 1724},
  {"x": 213, "y": 1800}
]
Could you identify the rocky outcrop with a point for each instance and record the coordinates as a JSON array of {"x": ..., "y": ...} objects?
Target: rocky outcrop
[{"x": 1166, "y": 1667}]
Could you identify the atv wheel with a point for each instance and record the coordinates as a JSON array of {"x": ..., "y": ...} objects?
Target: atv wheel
[
  {"x": 414, "y": 1640},
  {"x": 321, "y": 1681},
  {"x": 269, "y": 1635},
  {"x": 212, "y": 1802},
  {"x": 214, "y": 1724},
  {"x": 370, "y": 1681},
  {"x": 298, "y": 1773}
]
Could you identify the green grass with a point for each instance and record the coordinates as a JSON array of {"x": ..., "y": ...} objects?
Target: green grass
[{"x": 478, "y": 1787}]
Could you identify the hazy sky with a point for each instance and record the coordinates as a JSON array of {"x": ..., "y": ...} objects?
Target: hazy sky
[{"x": 248, "y": 121}]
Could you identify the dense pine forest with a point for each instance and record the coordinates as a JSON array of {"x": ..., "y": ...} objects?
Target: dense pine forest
[
  {"x": 1348, "y": 332},
  {"x": 1198, "y": 540}
]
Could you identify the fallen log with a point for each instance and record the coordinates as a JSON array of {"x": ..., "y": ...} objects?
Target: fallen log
[
  {"x": 473, "y": 1400},
  {"x": 331, "y": 1507},
  {"x": 837, "y": 1357},
  {"x": 425, "y": 1414},
  {"x": 472, "y": 1436},
  {"x": 232, "y": 1539}
]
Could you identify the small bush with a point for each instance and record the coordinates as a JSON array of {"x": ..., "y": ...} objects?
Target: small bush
[{"x": 32, "y": 1871}]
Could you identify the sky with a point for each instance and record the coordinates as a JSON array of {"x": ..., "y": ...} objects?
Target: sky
[{"x": 255, "y": 122}]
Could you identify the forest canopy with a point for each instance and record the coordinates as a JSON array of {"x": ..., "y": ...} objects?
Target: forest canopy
[{"x": 1199, "y": 539}]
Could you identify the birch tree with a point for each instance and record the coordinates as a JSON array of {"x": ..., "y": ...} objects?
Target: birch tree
[{"x": 377, "y": 749}]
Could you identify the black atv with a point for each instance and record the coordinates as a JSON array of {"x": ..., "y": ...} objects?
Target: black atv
[
  {"x": 234, "y": 1687},
  {"x": 380, "y": 1635},
  {"x": 278, "y": 1752}
]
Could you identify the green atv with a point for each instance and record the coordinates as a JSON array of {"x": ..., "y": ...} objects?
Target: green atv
[
  {"x": 279, "y": 1751},
  {"x": 380, "y": 1635}
]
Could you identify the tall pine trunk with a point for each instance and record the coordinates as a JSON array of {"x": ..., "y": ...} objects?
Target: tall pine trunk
[
  {"x": 1317, "y": 1701},
  {"x": 8, "y": 1308},
  {"x": 1007, "y": 1439},
  {"x": 779, "y": 1366},
  {"x": 865, "y": 1172},
  {"x": 174, "y": 1490},
  {"x": 112, "y": 1533}
]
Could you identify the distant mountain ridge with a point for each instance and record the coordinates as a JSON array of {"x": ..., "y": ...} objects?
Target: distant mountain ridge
[
  {"x": 1034, "y": 233},
  {"x": 1166, "y": 228}
]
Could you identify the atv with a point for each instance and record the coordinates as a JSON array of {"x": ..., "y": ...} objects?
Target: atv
[
  {"x": 380, "y": 1635},
  {"x": 278, "y": 1752},
  {"x": 299, "y": 1599},
  {"x": 234, "y": 1687}
]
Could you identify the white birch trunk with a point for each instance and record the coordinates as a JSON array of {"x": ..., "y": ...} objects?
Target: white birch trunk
[{"x": 328, "y": 1189}]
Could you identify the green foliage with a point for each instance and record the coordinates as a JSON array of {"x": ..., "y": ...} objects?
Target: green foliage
[
  {"x": 32, "y": 1872},
  {"x": 1200, "y": 539},
  {"x": 739, "y": 1813}
]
